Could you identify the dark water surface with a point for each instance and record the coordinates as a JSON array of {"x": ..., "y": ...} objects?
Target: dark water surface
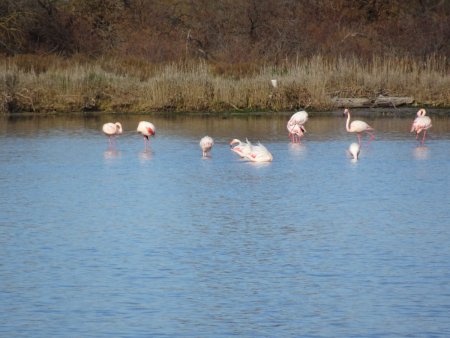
[{"x": 129, "y": 243}]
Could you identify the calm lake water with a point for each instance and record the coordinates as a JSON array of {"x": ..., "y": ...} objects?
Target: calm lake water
[{"x": 128, "y": 243}]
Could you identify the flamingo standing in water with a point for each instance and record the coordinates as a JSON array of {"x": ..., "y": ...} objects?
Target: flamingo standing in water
[
  {"x": 295, "y": 126},
  {"x": 240, "y": 148},
  {"x": 147, "y": 129},
  {"x": 358, "y": 127},
  {"x": 111, "y": 130},
  {"x": 206, "y": 143},
  {"x": 354, "y": 150},
  {"x": 259, "y": 153},
  {"x": 421, "y": 123},
  {"x": 296, "y": 132}
]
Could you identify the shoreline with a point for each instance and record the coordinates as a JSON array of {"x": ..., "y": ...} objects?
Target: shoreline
[{"x": 406, "y": 111}]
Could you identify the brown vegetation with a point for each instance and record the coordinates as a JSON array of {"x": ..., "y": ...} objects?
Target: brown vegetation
[
  {"x": 51, "y": 83},
  {"x": 184, "y": 55}
]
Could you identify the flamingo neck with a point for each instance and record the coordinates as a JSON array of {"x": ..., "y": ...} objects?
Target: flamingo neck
[{"x": 347, "y": 125}]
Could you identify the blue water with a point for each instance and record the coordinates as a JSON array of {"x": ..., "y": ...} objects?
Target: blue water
[{"x": 128, "y": 243}]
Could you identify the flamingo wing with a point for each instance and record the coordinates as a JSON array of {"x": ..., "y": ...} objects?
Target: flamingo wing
[
  {"x": 109, "y": 128},
  {"x": 421, "y": 123},
  {"x": 359, "y": 126}
]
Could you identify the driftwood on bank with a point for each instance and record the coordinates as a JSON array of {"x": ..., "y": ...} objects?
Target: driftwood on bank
[{"x": 380, "y": 101}]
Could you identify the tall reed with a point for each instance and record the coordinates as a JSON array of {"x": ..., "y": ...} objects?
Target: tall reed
[{"x": 53, "y": 84}]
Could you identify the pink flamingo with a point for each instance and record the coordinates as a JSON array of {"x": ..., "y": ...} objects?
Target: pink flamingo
[
  {"x": 358, "y": 127},
  {"x": 147, "y": 129},
  {"x": 259, "y": 153},
  {"x": 239, "y": 147},
  {"x": 206, "y": 143},
  {"x": 296, "y": 132},
  {"x": 421, "y": 123},
  {"x": 111, "y": 130},
  {"x": 295, "y": 126},
  {"x": 354, "y": 151}
]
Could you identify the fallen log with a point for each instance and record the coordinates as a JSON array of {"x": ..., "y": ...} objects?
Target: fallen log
[
  {"x": 380, "y": 101},
  {"x": 353, "y": 102},
  {"x": 392, "y": 101}
]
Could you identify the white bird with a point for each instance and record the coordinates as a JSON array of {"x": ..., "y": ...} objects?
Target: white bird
[
  {"x": 259, "y": 153},
  {"x": 295, "y": 126},
  {"x": 300, "y": 117},
  {"x": 274, "y": 83},
  {"x": 147, "y": 129},
  {"x": 354, "y": 150},
  {"x": 421, "y": 123},
  {"x": 296, "y": 132},
  {"x": 111, "y": 130},
  {"x": 358, "y": 127},
  {"x": 240, "y": 148},
  {"x": 206, "y": 143}
]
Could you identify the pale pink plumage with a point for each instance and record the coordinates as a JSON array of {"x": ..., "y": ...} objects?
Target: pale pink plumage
[
  {"x": 147, "y": 129},
  {"x": 421, "y": 123},
  {"x": 111, "y": 130},
  {"x": 259, "y": 153},
  {"x": 206, "y": 143},
  {"x": 354, "y": 150},
  {"x": 358, "y": 127},
  {"x": 240, "y": 148},
  {"x": 295, "y": 126}
]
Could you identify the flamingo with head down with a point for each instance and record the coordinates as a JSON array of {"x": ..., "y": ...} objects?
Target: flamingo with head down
[
  {"x": 111, "y": 130},
  {"x": 147, "y": 129},
  {"x": 296, "y": 132},
  {"x": 358, "y": 127},
  {"x": 354, "y": 150},
  {"x": 295, "y": 126},
  {"x": 206, "y": 143},
  {"x": 421, "y": 123}
]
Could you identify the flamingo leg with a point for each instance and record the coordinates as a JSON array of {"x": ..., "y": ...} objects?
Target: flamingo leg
[
  {"x": 111, "y": 143},
  {"x": 372, "y": 137},
  {"x": 424, "y": 134},
  {"x": 359, "y": 138}
]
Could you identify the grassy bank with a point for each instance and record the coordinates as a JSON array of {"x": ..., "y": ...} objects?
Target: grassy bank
[{"x": 54, "y": 84}]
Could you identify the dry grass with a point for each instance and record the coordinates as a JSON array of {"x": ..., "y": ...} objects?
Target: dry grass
[{"x": 53, "y": 84}]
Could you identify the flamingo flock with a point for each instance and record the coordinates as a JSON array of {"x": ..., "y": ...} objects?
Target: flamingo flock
[{"x": 259, "y": 153}]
